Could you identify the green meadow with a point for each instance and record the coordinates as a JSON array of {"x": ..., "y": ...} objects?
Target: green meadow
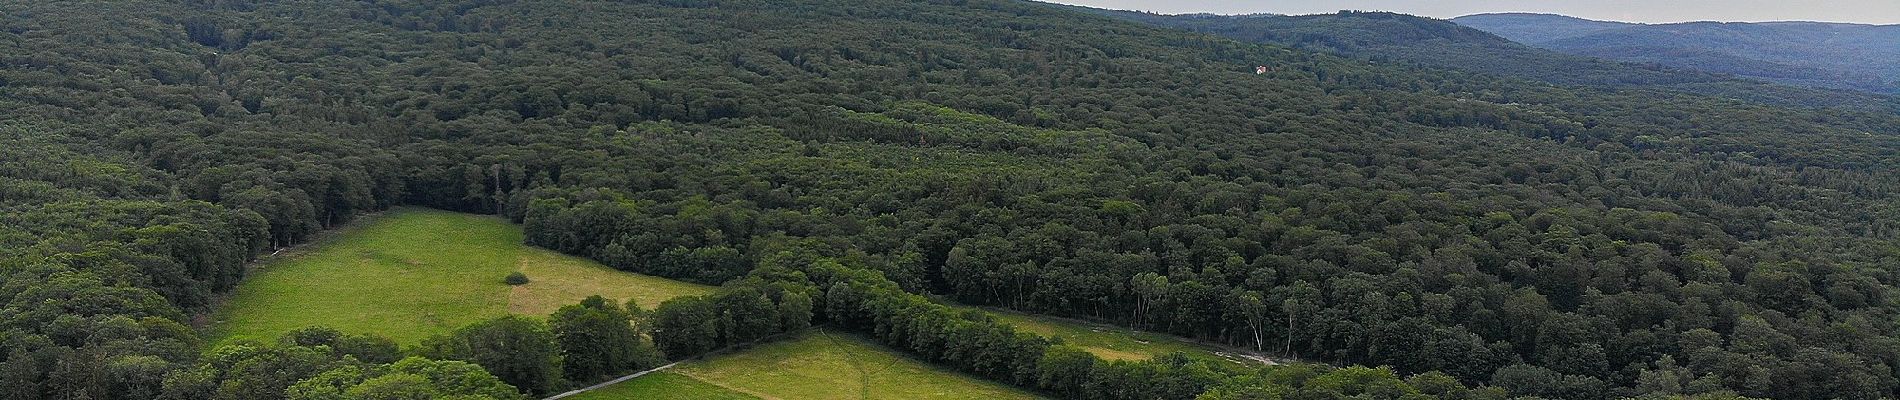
[
  {"x": 410, "y": 273},
  {"x": 663, "y": 385},
  {"x": 816, "y": 364}
]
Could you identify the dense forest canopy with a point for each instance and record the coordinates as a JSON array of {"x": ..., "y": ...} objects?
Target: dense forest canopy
[{"x": 837, "y": 161}]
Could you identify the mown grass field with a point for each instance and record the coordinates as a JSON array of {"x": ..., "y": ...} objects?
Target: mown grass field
[
  {"x": 1114, "y": 343},
  {"x": 663, "y": 385},
  {"x": 410, "y": 273},
  {"x": 818, "y": 365}
]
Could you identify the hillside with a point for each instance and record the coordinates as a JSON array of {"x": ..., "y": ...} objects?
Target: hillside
[
  {"x": 1413, "y": 40},
  {"x": 1829, "y": 55},
  {"x": 1537, "y": 28},
  {"x": 1410, "y": 228}
]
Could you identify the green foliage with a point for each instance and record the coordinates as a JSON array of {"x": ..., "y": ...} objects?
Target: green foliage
[
  {"x": 1540, "y": 381},
  {"x": 260, "y": 372},
  {"x": 518, "y": 350},
  {"x": 685, "y": 327},
  {"x": 366, "y": 348},
  {"x": 598, "y": 339},
  {"x": 20, "y": 375},
  {"x": 516, "y": 278},
  {"x": 316, "y": 363},
  {"x": 1356, "y": 382},
  {"x": 409, "y": 378},
  {"x": 1065, "y": 370},
  {"x": 741, "y": 312}
]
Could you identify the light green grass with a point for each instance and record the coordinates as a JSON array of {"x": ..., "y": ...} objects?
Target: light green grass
[
  {"x": 663, "y": 385},
  {"x": 824, "y": 365},
  {"x": 410, "y": 273},
  {"x": 557, "y": 280},
  {"x": 1114, "y": 343}
]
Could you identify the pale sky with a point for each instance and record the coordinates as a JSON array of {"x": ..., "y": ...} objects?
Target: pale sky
[{"x": 1651, "y": 11}]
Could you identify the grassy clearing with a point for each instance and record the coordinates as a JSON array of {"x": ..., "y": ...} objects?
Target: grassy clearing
[
  {"x": 663, "y": 386},
  {"x": 821, "y": 365},
  {"x": 410, "y": 273},
  {"x": 559, "y": 279},
  {"x": 1114, "y": 343}
]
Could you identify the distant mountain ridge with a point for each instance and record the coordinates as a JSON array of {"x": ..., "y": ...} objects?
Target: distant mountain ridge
[
  {"x": 1816, "y": 54},
  {"x": 1412, "y": 39},
  {"x": 1435, "y": 43},
  {"x": 1538, "y": 28}
]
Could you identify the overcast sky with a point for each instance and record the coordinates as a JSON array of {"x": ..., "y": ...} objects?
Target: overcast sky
[{"x": 1861, "y": 11}]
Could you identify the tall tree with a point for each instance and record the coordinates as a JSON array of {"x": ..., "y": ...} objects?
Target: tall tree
[
  {"x": 518, "y": 350},
  {"x": 685, "y": 327},
  {"x": 597, "y": 339}
]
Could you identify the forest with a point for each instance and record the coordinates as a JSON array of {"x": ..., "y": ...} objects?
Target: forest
[{"x": 1411, "y": 231}]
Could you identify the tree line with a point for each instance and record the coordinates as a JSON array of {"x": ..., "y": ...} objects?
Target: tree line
[{"x": 510, "y": 357}]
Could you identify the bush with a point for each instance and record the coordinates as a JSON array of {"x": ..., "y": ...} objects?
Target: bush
[{"x": 517, "y": 278}]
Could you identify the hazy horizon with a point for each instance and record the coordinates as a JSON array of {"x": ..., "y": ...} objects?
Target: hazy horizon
[{"x": 1883, "y": 12}]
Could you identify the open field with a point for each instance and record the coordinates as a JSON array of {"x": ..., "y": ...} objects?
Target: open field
[
  {"x": 410, "y": 273},
  {"x": 559, "y": 279},
  {"x": 1115, "y": 343},
  {"x": 663, "y": 385},
  {"x": 816, "y": 364}
]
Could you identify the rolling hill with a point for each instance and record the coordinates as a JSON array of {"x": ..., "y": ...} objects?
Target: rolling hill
[
  {"x": 1414, "y": 40},
  {"x": 1830, "y": 55},
  {"x": 1537, "y": 28}
]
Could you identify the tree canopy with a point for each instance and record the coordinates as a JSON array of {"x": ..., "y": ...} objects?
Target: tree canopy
[{"x": 836, "y": 162}]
